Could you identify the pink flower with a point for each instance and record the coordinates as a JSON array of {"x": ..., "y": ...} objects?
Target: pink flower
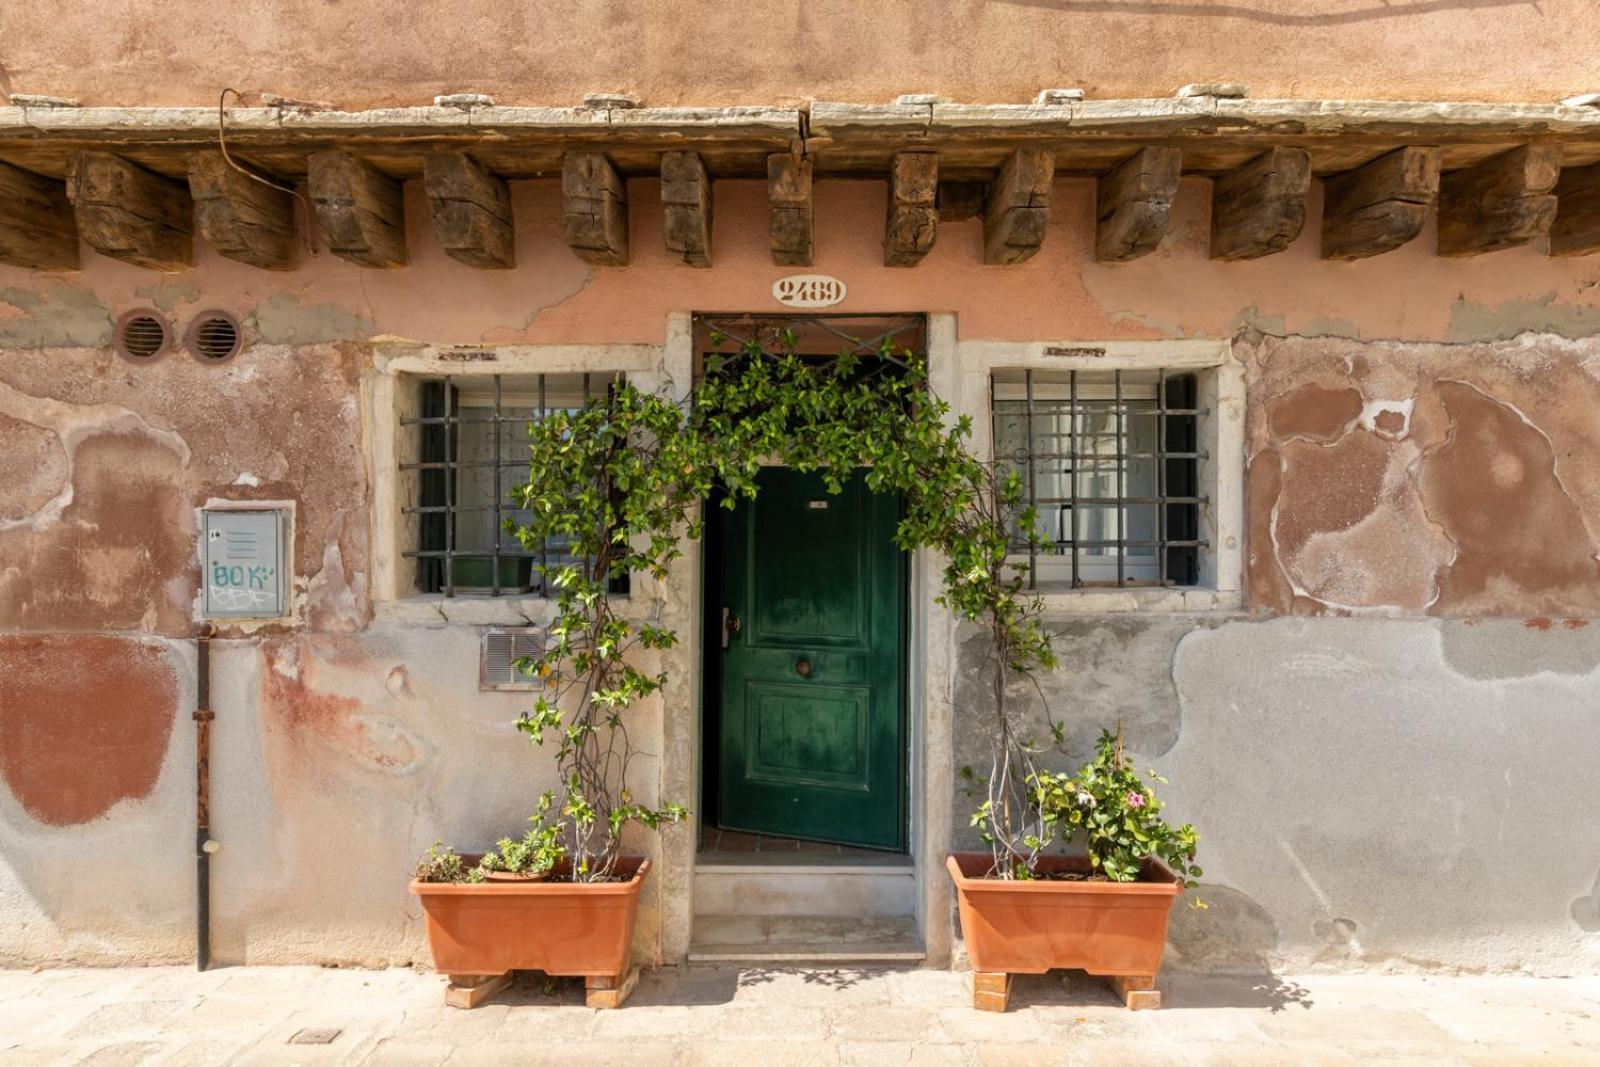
[{"x": 1135, "y": 800}]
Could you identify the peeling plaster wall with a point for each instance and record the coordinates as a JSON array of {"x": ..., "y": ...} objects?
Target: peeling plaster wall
[
  {"x": 1388, "y": 794},
  {"x": 1401, "y": 479},
  {"x": 1420, "y": 442},
  {"x": 542, "y": 51}
]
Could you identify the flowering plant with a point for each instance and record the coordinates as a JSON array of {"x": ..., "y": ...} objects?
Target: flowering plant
[{"x": 1118, "y": 814}]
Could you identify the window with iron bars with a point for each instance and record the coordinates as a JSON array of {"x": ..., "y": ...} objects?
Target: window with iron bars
[
  {"x": 1110, "y": 461},
  {"x": 464, "y": 451}
]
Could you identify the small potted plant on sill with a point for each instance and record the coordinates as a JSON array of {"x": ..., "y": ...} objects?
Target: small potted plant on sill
[{"x": 1023, "y": 908}]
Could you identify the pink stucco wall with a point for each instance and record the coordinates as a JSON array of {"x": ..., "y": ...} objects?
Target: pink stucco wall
[
  {"x": 552, "y": 297},
  {"x": 766, "y": 51}
]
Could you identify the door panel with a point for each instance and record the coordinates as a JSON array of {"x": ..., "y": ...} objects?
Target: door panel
[{"x": 812, "y": 734}]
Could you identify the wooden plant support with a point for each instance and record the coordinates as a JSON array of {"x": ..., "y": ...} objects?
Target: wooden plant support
[
  {"x": 991, "y": 991},
  {"x": 1138, "y": 994},
  {"x": 610, "y": 991},
  {"x": 601, "y": 991},
  {"x": 470, "y": 990}
]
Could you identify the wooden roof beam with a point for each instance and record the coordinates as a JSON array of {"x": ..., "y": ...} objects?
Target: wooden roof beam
[
  {"x": 913, "y": 221},
  {"x": 595, "y": 203},
  {"x": 1379, "y": 207},
  {"x": 360, "y": 210},
  {"x": 471, "y": 211},
  {"x": 686, "y": 203},
  {"x": 1260, "y": 208},
  {"x": 128, "y": 213},
  {"x": 37, "y": 230},
  {"x": 1505, "y": 201},
  {"x": 1134, "y": 202},
  {"x": 241, "y": 216},
  {"x": 1576, "y": 229},
  {"x": 1017, "y": 213},
  {"x": 789, "y": 193}
]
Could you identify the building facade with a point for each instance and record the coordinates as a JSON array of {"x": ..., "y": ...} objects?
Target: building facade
[{"x": 1304, "y": 374}]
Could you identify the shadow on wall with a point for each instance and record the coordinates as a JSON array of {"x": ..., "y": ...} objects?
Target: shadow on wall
[
  {"x": 1233, "y": 936},
  {"x": 1354, "y": 12}
]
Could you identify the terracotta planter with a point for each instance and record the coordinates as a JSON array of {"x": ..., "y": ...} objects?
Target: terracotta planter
[
  {"x": 1104, "y": 928},
  {"x": 558, "y": 927}
]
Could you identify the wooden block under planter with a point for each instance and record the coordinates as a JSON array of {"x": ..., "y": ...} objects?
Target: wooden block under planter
[
  {"x": 470, "y": 990},
  {"x": 610, "y": 991},
  {"x": 1137, "y": 993},
  {"x": 991, "y": 990}
]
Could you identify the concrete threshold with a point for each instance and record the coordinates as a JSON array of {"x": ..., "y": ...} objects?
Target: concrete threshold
[{"x": 804, "y": 939}]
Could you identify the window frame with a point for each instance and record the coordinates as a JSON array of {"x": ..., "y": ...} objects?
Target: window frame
[
  {"x": 1220, "y": 393},
  {"x": 443, "y": 467},
  {"x": 1094, "y": 558},
  {"x": 385, "y": 399}
]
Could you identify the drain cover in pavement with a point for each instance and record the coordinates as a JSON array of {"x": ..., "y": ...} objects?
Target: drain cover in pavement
[{"x": 319, "y": 1036}]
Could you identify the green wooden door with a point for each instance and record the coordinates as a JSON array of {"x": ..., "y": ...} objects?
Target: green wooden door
[{"x": 812, "y": 734}]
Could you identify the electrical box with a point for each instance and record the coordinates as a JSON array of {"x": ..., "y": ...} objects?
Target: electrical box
[{"x": 243, "y": 558}]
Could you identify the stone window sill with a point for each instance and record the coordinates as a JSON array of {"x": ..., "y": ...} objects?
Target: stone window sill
[
  {"x": 438, "y": 610},
  {"x": 1062, "y": 600}
]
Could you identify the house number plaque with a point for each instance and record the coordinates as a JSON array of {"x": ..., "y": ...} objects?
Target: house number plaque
[{"x": 808, "y": 291}]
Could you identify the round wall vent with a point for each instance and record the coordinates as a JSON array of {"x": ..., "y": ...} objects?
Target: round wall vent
[
  {"x": 214, "y": 337},
  {"x": 141, "y": 336}
]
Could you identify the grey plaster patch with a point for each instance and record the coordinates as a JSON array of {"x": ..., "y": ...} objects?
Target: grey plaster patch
[
  {"x": 1471, "y": 321},
  {"x": 167, "y": 293},
  {"x": 1114, "y": 668},
  {"x": 284, "y": 320},
  {"x": 55, "y": 316},
  {"x": 1380, "y": 805},
  {"x": 1330, "y": 328},
  {"x": 1251, "y": 320},
  {"x": 1490, "y": 649}
]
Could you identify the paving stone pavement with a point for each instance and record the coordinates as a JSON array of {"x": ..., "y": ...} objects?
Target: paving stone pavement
[{"x": 775, "y": 1017}]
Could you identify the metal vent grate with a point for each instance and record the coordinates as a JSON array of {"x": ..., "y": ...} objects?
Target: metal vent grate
[
  {"x": 141, "y": 336},
  {"x": 501, "y": 650},
  {"x": 214, "y": 337}
]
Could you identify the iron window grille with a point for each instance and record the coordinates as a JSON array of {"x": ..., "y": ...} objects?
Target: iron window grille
[
  {"x": 468, "y": 440},
  {"x": 1110, "y": 461}
]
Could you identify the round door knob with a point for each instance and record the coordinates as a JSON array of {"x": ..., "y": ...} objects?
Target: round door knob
[{"x": 802, "y": 667}]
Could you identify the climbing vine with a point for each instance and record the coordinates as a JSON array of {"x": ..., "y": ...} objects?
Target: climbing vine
[{"x": 623, "y": 480}]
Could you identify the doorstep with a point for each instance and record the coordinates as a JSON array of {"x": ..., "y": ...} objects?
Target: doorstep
[
  {"x": 805, "y": 939},
  {"x": 775, "y": 885}
]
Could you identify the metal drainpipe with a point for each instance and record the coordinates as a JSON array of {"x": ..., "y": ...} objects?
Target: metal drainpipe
[{"x": 203, "y": 845}]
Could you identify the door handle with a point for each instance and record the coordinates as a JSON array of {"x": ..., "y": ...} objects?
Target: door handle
[
  {"x": 802, "y": 667},
  {"x": 730, "y": 626}
]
